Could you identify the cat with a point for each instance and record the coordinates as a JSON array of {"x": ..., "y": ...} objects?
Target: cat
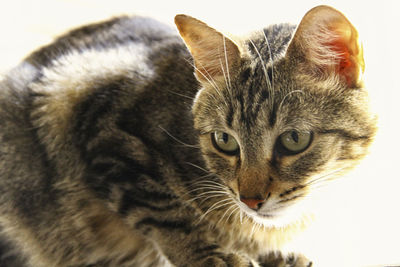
[{"x": 124, "y": 143}]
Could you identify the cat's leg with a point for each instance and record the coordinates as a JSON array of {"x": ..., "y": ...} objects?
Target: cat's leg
[
  {"x": 277, "y": 260},
  {"x": 187, "y": 245}
]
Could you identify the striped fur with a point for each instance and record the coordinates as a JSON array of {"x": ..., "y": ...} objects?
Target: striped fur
[{"x": 106, "y": 156}]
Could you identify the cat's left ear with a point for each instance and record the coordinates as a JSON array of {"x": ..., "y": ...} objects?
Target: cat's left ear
[
  {"x": 326, "y": 43},
  {"x": 215, "y": 56}
]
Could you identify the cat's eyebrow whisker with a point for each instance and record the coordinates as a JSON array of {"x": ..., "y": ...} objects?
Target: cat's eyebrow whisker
[
  {"x": 262, "y": 64},
  {"x": 272, "y": 65},
  {"x": 212, "y": 82},
  {"x": 226, "y": 81},
  {"x": 226, "y": 62},
  {"x": 229, "y": 84},
  {"x": 209, "y": 79},
  {"x": 284, "y": 98},
  {"x": 176, "y": 139}
]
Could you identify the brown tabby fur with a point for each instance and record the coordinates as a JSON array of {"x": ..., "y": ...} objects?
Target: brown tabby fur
[{"x": 106, "y": 151}]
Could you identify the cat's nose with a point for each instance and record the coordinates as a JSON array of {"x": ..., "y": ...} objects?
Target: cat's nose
[{"x": 252, "y": 203}]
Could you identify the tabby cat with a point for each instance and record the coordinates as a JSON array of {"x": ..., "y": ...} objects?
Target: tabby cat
[{"x": 125, "y": 144}]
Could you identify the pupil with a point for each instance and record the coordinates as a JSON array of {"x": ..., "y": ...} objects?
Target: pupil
[
  {"x": 295, "y": 136},
  {"x": 225, "y": 137}
]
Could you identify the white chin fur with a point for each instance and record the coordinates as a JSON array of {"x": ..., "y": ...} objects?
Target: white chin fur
[{"x": 281, "y": 218}]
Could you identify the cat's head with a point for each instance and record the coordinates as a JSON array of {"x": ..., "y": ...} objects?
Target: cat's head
[{"x": 282, "y": 111}]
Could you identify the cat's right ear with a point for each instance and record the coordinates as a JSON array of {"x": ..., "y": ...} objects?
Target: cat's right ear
[{"x": 215, "y": 56}]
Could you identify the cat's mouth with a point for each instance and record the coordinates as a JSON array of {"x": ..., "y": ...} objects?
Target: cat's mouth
[
  {"x": 275, "y": 216},
  {"x": 266, "y": 215}
]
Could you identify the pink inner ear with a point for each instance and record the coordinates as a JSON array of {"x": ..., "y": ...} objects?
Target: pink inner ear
[{"x": 345, "y": 67}]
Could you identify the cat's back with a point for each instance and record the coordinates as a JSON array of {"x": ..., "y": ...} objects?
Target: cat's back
[{"x": 119, "y": 32}]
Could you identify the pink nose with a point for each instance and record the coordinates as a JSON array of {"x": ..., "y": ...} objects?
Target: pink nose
[{"x": 253, "y": 204}]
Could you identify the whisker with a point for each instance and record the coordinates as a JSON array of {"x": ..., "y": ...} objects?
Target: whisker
[
  {"x": 323, "y": 177},
  {"x": 226, "y": 61},
  {"x": 197, "y": 166},
  {"x": 232, "y": 212},
  {"x": 227, "y": 210},
  {"x": 207, "y": 187},
  {"x": 227, "y": 69},
  {"x": 182, "y": 95},
  {"x": 253, "y": 229},
  {"x": 284, "y": 98},
  {"x": 262, "y": 63},
  {"x": 226, "y": 82},
  {"x": 204, "y": 188},
  {"x": 272, "y": 65},
  {"x": 215, "y": 206},
  {"x": 209, "y": 79},
  {"x": 216, "y": 192},
  {"x": 176, "y": 139},
  {"x": 204, "y": 194},
  {"x": 208, "y": 182},
  {"x": 240, "y": 216}
]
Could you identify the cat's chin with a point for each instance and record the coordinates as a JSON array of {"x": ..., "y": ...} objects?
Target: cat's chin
[{"x": 278, "y": 218}]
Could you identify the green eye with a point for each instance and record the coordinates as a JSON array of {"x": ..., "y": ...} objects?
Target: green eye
[
  {"x": 294, "y": 142},
  {"x": 225, "y": 143}
]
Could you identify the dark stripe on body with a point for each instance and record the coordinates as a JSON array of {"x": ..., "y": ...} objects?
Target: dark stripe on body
[
  {"x": 169, "y": 225},
  {"x": 130, "y": 201},
  {"x": 93, "y": 109}
]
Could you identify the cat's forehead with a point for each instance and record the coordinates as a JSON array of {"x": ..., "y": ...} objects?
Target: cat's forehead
[{"x": 271, "y": 97}]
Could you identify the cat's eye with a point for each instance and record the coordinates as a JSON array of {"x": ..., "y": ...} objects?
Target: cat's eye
[
  {"x": 294, "y": 142},
  {"x": 225, "y": 143}
]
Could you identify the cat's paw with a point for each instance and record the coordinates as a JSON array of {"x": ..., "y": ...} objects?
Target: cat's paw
[
  {"x": 231, "y": 260},
  {"x": 297, "y": 261},
  {"x": 292, "y": 260}
]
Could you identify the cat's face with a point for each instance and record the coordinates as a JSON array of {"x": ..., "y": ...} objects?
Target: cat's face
[{"x": 273, "y": 130}]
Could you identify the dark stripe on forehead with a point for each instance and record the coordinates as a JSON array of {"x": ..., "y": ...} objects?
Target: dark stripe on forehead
[
  {"x": 272, "y": 116},
  {"x": 245, "y": 75},
  {"x": 240, "y": 100},
  {"x": 255, "y": 84},
  {"x": 270, "y": 72},
  {"x": 229, "y": 116},
  {"x": 264, "y": 96}
]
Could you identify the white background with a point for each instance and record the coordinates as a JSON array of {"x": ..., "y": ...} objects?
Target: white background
[{"x": 360, "y": 224}]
